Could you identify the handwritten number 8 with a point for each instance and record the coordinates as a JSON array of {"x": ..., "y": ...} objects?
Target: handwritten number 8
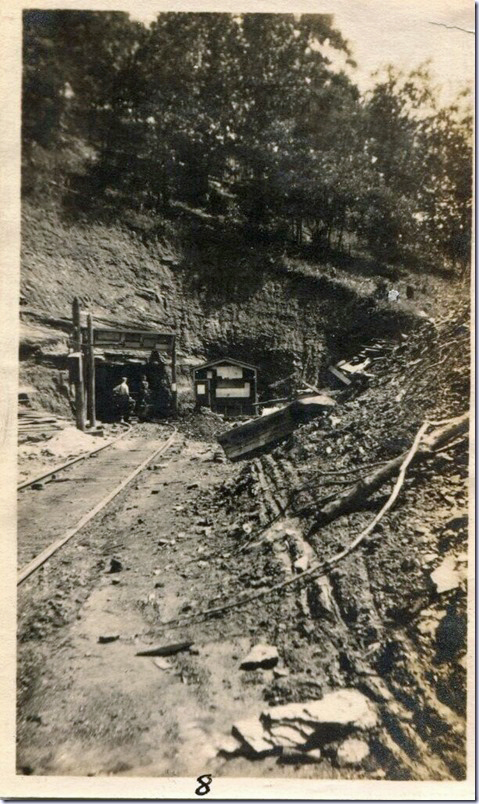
[{"x": 205, "y": 782}]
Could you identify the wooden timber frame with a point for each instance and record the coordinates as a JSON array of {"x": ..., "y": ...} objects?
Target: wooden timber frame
[{"x": 84, "y": 341}]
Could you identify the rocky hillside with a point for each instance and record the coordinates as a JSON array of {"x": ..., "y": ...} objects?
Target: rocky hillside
[{"x": 222, "y": 292}]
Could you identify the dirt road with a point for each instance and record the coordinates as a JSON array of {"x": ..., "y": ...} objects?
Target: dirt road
[{"x": 89, "y": 708}]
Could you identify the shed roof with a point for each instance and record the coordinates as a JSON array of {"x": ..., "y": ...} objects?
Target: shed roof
[{"x": 228, "y": 360}]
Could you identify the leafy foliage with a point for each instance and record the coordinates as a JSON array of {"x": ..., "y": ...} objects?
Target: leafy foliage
[{"x": 246, "y": 117}]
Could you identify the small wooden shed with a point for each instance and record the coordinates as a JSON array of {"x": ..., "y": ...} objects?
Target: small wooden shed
[{"x": 227, "y": 386}]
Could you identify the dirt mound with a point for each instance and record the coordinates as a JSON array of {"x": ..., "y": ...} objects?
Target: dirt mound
[
  {"x": 202, "y": 426},
  {"x": 71, "y": 441}
]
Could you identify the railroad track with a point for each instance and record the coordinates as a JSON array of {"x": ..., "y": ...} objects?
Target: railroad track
[
  {"x": 44, "y": 513},
  {"x": 82, "y": 457}
]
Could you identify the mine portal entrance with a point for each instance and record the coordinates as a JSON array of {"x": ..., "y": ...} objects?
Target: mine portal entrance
[
  {"x": 102, "y": 356},
  {"x": 135, "y": 355}
]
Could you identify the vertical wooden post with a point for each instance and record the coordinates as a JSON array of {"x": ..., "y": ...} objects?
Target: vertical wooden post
[
  {"x": 174, "y": 390},
  {"x": 79, "y": 383},
  {"x": 91, "y": 400}
]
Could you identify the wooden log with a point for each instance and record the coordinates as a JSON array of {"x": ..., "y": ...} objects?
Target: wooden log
[
  {"x": 366, "y": 486},
  {"x": 166, "y": 650},
  {"x": 79, "y": 384},
  {"x": 91, "y": 397}
]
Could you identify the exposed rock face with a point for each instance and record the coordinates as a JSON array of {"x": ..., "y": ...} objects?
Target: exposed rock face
[{"x": 275, "y": 316}]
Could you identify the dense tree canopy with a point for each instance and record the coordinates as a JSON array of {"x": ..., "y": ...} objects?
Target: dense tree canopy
[{"x": 246, "y": 116}]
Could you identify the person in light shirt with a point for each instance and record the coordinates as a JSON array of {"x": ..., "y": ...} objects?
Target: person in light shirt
[{"x": 121, "y": 395}]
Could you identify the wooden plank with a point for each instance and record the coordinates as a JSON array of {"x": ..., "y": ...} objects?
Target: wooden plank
[
  {"x": 166, "y": 650},
  {"x": 260, "y": 432},
  {"x": 339, "y": 375}
]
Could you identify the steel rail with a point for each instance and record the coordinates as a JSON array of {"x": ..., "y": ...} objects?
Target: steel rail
[
  {"x": 81, "y": 457},
  {"x": 49, "y": 551}
]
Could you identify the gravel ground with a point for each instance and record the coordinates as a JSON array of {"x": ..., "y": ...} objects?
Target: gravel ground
[{"x": 91, "y": 708}]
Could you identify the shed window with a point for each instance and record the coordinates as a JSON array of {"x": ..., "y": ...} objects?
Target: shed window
[{"x": 201, "y": 389}]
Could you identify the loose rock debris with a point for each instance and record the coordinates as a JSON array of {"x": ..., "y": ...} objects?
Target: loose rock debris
[{"x": 115, "y": 565}]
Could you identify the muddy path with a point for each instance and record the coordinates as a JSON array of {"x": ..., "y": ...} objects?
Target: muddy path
[{"x": 89, "y": 708}]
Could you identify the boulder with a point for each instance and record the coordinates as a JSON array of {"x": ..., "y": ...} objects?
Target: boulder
[
  {"x": 301, "y": 564},
  {"x": 291, "y": 756},
  {"x": 292, "y": 735},
  {"x": 352, "y": 752},
  {"x": 343, "y": 709},
  {"x": 252, "y": 735},
  {"x": 261, "y": 656},
  {"x": 448, "y": 575}
]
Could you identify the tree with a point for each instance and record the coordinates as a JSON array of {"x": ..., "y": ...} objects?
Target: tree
[
  {"x": 249, "y": 104},
  {"x": 423, "y": 159},
  {"x": 445, "y": 194}
]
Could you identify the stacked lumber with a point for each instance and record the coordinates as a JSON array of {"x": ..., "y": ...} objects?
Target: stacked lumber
[
  {"x": 348, "y": 370},
  {"x": 31, "y": 422}
]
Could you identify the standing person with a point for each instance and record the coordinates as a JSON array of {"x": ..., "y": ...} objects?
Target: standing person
[
  {"x": 121, "y": 394},
  {"x": 164, "y": 395},
  {"x": 143, "y": 397}
]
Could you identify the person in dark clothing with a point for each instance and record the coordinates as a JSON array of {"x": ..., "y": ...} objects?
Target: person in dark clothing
[
  {"x": 161, "y": 389},
  {"x": 144, "y": 397}
]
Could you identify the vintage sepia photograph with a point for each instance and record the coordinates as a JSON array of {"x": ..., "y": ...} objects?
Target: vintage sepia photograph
[{"x": 244, "y": 394}]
